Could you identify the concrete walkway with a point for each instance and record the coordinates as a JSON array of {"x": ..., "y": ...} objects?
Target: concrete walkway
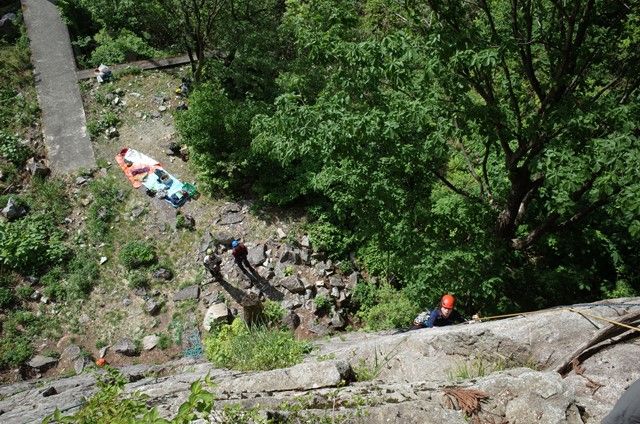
[{"x": 64, "y": 125}]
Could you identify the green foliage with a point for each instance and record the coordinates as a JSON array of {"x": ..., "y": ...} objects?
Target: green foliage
[
  {"x": 82, "y": 275},
  {"x": 107, "y": 201},
  {"x": 236, "y": 346},
  {"x": 136, "y": 254},
  {"x": 18, "y": 101},
  {"x": 164, "y": 341},
  {"x": 216, "y": 129},
  {"x": 111, "y": 405},
  {"x": 370, "y": 370},
  {"x": 19, "y": 328},
  {"x": 272, "y": 313},
  {"x": 13, "y": 150},
  {"x": 322, "y": 302},
  {"x": 391, "y": 309},
  {"x": 138, "y": 280},
  {"x": 99, "y": 126},
  {"x": 485, "y": 365},
  {"x": 7, "y": 298},
  {"x": 31, "y": 243},
  {"x": 124, "y": 47}
]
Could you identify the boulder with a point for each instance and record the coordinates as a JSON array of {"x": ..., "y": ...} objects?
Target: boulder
[
  {"x": 13, "y": 210},
  {"x": 162, "y": 274},
  {"x": 188, "y": 293},
  {"x": 291, "y": 320},
  {"x": 290, "y": 257},
  {"x": 292, "y": 283},
  {"x": 222, "y": 238},
  {"x": 79, "y": 364},
  {"x": 352, "y": 280},
  {"x": 304, "y": 242},
  {"x": 217, "y": 312},
  {"x": 293, "y": 302},
  {"x": 231, "y": 214},
  {"x": 41, "y": 362},
  {"x": 150, "y": 341},
  {"x": 256, "y": 254},
  {"x": 70, "y": 353},
  {"x": 152, "y": 306},
  {"x": 126, "y": 347},
  {"x": 336, "y": 281}
]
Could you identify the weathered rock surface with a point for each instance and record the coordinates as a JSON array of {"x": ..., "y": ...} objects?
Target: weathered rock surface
[{"x": 410, "y": 372}]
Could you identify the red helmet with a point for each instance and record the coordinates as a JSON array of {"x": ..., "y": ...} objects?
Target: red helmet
[{"x": 448, "y": 301}]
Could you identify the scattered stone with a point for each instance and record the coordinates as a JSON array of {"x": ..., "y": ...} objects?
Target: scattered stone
[
  {"x": 125, "y": 347},
  {"x": 13, "y": 210},
  {"x": 112, "y": 132},
  {"x": 126, "y": 302},
  {"x": 162, "y": 274},
  {"x": 41, "y": 362},
  {"x": 35, "y": 296},
  {"x": 103, "y": 352},
  {"x": 319, "y": 329},
  {"x": 320, "y": 283},
  {"x": 187, "y": 222},
  {"x": 37, "y": 169},
  {"x": 335, "y": 292},
  {"x": 162, "y": 108},
  {"x": 70, "y": 353},
  {"x": 305, "y": 241},
  {"x": 103, "y": 259},
  {"x": 308, "y": 294},
  {"x": 281, "y": 234},
  {"x": 49, "y": 392},
  {"x": 191, "y": 292},
  {"x": 305, "y": 256},
  {"x": 336, "y": 282},
  {"x": 352, "y": 280},
  {"x": 217, "y": 312},
  {"x": 221, "y": 237},
  {"x": 231, "y": 214},
  {"x": 293, "y": 302},
  {"x": 291, "y": 320},
  {"x": 149, "y": 342},
  {"x": 156, "y": 115},
  {"x": 337, "y": 321},
  {"x": 256, "y": 254},
  {"x": 292, "y": 283},
  {"x": 152, "y": 306},
  {"x": 81, "y": 180},
  {"x": 138, "y": 114},
  {"x": 79, "y": 364},
  {"x": 290, "y": 257},
  {"x": 86, "y": 201},
  {"x": 137, "y": 211}
]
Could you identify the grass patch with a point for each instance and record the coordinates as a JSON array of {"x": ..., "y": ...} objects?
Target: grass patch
[
  {"x": 137, "y": 254},
  {"x": 483, "y": 366},
  {"x": 370, "y": 370},
  {"x": 237, "y": 346}
]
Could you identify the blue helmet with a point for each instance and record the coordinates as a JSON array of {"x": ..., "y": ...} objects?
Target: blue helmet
[{"x": 235, "y": 243}]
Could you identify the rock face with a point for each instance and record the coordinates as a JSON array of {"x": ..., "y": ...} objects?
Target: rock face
[{"x": 412, "y": 377}]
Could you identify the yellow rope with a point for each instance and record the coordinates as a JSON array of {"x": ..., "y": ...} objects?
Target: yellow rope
[{"x": 630, "y": 327}]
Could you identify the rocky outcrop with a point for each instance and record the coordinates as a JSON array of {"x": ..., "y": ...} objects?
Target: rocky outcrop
[{"x": 413, "y": 377}]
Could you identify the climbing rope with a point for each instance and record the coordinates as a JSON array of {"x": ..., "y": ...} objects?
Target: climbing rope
[{"x": 572, "y": 309}]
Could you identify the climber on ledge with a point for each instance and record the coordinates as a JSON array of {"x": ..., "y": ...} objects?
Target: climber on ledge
[{"x": 444, "y": 314}]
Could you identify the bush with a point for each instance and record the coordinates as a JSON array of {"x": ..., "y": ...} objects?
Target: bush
[
  {"x": 14, "y": 351},
  {"x": 138, "y": 280},
  {"x": 239, "y": 347},
  {"x": 82, "y": 275},
  {"x": 322, "y": 302},
  {"x": 13, "y": 150},
  {"x": 164, "y": 341},
  {"x": 7, "y": 298},
  {"x": 31, "y": 243},
  {"x": 136, "y": 254},
  {"x": 272, "y": 313},
  {"x": 391, "y": 309},
  {"x": 125, "y": 47},
  {"x": 104, "y": 208}
]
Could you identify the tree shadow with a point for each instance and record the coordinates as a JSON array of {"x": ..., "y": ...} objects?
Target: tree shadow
[{"x": 236, "y": 293}]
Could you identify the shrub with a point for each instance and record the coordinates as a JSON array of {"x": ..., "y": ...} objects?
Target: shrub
[
  {"x": 14, "y": 351},
  {"x": 107, "y": 120},
  {"x": 82, "y": 275},
  {"x": 272, "y": 313},
  {"x": 125, "y": 47},
  {"x": 237, "y": 346},
  {"x": 136, "y": 254},
  {"x": 392, "y": 309},
  {"x": 31, "y": 243},
  {"x": 13, "y": 150},
  {"x": 24, "y": 292},
  {"x": 138, "y": 280},
  {"x": 322, "y": 302},
  {"x": 104, "y": 208},
  {"x": 164, "y": 341},
  {"x": 7, "y": 298}
]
